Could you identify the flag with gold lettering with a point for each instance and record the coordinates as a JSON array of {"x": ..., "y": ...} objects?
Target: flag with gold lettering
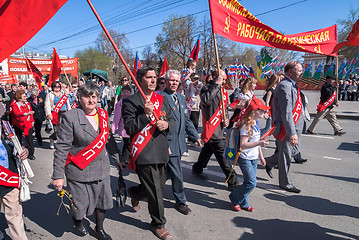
[{"x": 232, "y": 21}]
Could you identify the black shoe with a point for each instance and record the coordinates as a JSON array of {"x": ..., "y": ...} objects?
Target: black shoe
[
  {"x": 300, "y": 161},
  {"x": 32, "y": 157},
  {"x": 291, "y": 189},
  {"x": 80, "y": 227},
  {"x": 310, "y": 132},
  {"x": 101, "y": 234},
  {"x": 269, "y": 171},
  {"x": 200, "y": 175},
  {"x": 182, "y": 208}
]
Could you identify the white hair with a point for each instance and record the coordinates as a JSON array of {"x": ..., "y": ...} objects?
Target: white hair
[{"x": 171, "y": 71}]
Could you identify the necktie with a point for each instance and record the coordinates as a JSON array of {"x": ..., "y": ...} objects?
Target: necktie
[{"x": 175, "y": 98}]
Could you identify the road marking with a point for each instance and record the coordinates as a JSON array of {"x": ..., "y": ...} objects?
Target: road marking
[
  {"x": 332, "y": 158},
  {"x": 316, "y": 136},
  {"x": 209, "y": 172}
]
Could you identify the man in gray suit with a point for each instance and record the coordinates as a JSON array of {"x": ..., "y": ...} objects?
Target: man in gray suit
[
  {"x": 177, "y": 138},
  {"x": 288, "y": 117}
]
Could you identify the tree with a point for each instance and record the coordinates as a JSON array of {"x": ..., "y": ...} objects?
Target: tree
[
  {"x": 91, "y": 58},
  {"x": 104, "y": 45},
  {"x": 149, "y": 57},
  {"x": 176, "y": 39},
  {"x": 345, "y": 29}
]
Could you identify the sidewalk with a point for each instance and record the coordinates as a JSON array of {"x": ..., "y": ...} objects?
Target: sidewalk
[{"x": 346, "y": 109}]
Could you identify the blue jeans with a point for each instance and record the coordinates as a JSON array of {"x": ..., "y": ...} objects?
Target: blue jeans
[
  {"x": 103, "y": 102},
  {"x": 241, "y": 194}
]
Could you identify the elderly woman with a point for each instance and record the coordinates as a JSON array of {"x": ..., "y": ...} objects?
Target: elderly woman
[
  {"x": 23, "y": 121},
  {"x": 81, "y": 156},
  {"x": 56, "y": 104},
  {"x": 37, "y": 103},
  {"x": 10, "y": 195}
]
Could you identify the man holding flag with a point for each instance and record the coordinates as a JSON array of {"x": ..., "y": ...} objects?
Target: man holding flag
[
  {"x": 213, "y": 129},
  {"x": 325, "y": 109},
  {"x": 149, "y": 146}
]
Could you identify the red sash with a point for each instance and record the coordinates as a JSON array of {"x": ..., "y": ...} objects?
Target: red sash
[
  {"x": 321, "y": 106},
  {"x": 140, "y": 139},
  {"x": 89, "y": 153},
  {"x": 296, "y": 114},
  {"x": 8, "y": 178},
  {"x": 74, "y": 105},
  {"x": 59, "y": 105},
  {"x": 211, "y": 125}
]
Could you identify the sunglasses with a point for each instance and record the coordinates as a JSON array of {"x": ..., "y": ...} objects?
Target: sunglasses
[
  {"x": 161, "y": 83},
  {"x": 57, "y": 86}
]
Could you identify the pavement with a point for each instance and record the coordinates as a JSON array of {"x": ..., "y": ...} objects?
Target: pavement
[{"x": 326, "y": 208}]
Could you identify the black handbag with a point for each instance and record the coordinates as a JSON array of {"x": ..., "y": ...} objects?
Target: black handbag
[{"x": 121, "y": 193}]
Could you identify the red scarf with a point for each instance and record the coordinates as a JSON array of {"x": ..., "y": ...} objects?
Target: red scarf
[
  {"x": 59, "y": 105},
  {"x": 296, "y": 114},
  {"x": 74, "y": 105},
  {"x": 89, "y": 153},
  {"x": 140, "y": 139},
  {"x": 8, "y": 178},
  {"x": 321, "y": 106},
  {"x": 211, "y": 125}
]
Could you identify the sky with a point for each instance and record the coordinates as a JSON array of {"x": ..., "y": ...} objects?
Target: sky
[{"x": 74, "y": 27}]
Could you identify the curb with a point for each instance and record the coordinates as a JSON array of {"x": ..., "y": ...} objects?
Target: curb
[{"x": 341, "y": 116}]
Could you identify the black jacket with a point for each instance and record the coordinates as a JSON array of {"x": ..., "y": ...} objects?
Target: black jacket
[
  {"x": 135, "y": 119},
  {"x": 326, "y": 92},
  {"x": 38, "y": 108},
  {"x": 210, "y": 100}
]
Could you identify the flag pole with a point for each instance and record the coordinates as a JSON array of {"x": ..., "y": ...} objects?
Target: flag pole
[
  {"x": 68, "y": 80},
  {"x": 119, "y": 54},
  {"x": 217, "y": 60}
]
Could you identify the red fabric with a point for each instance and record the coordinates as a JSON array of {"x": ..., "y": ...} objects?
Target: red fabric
[
  {"x": 352, "y": 39},
  {"x": 195, "y": 51},
  {"x": 323, "y": 105},
  {"x": 21, "y": 20},
  {"x": 8, "y": 178},
  {"x": 136, "y": 65},
  {"x": 232, "y": 21},
  {"x": 164, "y": 68},
  {"x": 83, "y": 158},
  {"x": 18, "y": 118},
  {"x": 35, "y": 72},
  {"x": 55, "y": 67}
]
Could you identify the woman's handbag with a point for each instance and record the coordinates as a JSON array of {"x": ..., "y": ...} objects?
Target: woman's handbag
[{"x": 121, "y": 194}]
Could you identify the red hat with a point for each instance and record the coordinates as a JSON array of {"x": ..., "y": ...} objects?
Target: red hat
[{"x": 254, "y": 103}]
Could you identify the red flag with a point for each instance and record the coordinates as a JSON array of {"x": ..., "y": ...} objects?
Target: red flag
[
  {"x": 136, "y": 65},
  {"x": 56, "y": 66},
  {"x": 232, "y": 21},
  {"x": 164, "y": 68},
  {"x": 21, "y": 20},
  {"x": 352, "y": 39},
  {"x": 35, "y": 72},
  {"x": 195, "y": 51}
]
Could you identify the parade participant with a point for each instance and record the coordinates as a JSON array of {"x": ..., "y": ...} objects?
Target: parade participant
[
  {"x": 37, "y": 103},
  {"x": 268, "y": 98},
  {"x": 81, "y": 156},
  {"x": 288, "y": 119},
  {"x": 73, "y": 96},
  {"x": 192, "y": 93},
  {"x": 149, "y": 146},
  {"x": 118, "y": 124},
  {"x": 177, "y": 138},
  {"x": 123, "y": 82},
  {"x": 161, "y": 85},
  {"x": 109, "y": 93},
  {"x": 103, "y": 97},
  {"x": 56, "y": 104},
  {"x": 10, "y": 195},
  {"x": 325, "y": 109},
  {"x": 213, "y": 129},
  {"x": 250, "y": 144},
  {"x": 23, "y": 121}
]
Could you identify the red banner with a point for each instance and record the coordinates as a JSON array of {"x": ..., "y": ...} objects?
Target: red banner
[
  {"x": 7, "y": 79},
  {"x": 231, "y": 20},
  {"x": 17, "y": 66}
]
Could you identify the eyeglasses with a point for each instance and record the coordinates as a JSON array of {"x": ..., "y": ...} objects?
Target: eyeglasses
[{"x": 57, "y": 86}]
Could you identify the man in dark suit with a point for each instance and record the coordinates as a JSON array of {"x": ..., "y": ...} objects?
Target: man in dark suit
[
  {"x": 37, "y": 102},
  {"x": 288, "y": 117},
  {"x": 177, "y": 138},
  {"x": 149, "y": 146}
]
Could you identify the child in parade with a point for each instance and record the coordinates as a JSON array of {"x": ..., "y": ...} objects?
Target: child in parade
[{"x": 250, "y": 144}]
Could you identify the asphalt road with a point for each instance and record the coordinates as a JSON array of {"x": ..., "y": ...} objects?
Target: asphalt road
[{"x": 327, "y": 207}]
